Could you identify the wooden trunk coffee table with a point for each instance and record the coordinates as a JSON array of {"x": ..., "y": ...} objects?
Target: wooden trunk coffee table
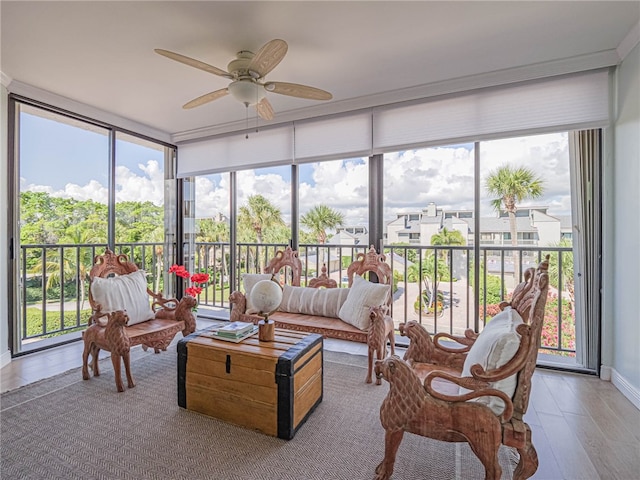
[{"x": 271, "y": 387}]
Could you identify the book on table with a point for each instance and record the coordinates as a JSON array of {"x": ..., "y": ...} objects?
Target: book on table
[{"x": 235, "y": 329}]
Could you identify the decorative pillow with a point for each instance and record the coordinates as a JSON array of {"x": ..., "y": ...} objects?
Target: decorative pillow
[
  {"x": 325, "y": 302},
  {"x": 362, "y": 296},
  {"x": 124, "y": 292},
  {"x": 496, "y": 345},
  {"x": 249, "y": 280}
]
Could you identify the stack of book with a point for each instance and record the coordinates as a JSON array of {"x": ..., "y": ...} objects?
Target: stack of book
[
  {"x": 235, "y": 329},
  {"x": 232, "y": 332}
]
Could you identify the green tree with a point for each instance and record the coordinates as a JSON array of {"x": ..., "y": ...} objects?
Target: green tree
[
  {"x": 428, "y": 274},
  {"x": 566, "y": 270},
  {"x": 448, "y": 237},
  {"x": 321, "y": 218},
  {"x": 511, "y": 185},
  {"x": 256, "y": 217}
]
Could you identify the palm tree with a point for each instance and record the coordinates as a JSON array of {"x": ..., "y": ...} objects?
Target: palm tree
[
  {"x": 428, "y": 274},
  {"x": 71, "y": 264},
  {"x": 319, "y": 219},
  {"x": 510, "y": 185},
  {"x": 257, "y": 215},
  {"x": 447, "y": 237}
]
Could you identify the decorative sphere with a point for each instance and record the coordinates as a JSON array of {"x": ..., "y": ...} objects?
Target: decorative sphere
[{"x": 266, "y": 296}]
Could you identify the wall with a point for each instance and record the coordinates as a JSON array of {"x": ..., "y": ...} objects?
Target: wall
[
  {"x": 622, "y": 262},
  {"x": 5, "y": 353}
]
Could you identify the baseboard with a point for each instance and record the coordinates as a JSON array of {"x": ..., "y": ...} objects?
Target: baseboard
[
  {"x": 5, "y": 358},
  {"x": 622, "y": 384}
]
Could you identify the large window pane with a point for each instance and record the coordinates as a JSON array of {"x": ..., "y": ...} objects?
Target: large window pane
[
  {"x": 334, "y": 211},
  {"x": 429, "y": 215},
  {"x": 140, "y": 203},
  {"x": 526, "y": 204},
  {"x": 64, "y": 170}
]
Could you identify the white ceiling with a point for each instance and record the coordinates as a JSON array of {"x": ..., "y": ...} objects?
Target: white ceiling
[{"x": 101, "y": 53}]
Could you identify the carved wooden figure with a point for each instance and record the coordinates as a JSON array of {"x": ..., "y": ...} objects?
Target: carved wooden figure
[
  {"x": 111, "y": 338},
  {"x": 418, "y": 404},
  {"x": 381, "y": 330}
]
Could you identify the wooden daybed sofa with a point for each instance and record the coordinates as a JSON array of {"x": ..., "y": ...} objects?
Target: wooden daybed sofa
[{"x": 321, "y": 291}]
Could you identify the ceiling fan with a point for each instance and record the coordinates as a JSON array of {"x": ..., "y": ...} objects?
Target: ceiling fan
[{"x": 247, "y": 72}]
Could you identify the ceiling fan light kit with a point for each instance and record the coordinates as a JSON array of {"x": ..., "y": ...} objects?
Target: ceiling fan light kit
[
  {"x": 247, "y": 71},
  {"x": 246, "y": 91}
]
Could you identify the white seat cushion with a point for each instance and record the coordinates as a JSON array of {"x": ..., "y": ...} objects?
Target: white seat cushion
[
  {"x": 362, "y": 296},
  {"x": 323, "y": 302},
  {"x": 124, "y": 292},
  {"x": 495, "y": 346}
]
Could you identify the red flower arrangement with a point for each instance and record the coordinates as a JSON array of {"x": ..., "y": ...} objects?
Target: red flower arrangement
[{"x": 198, "y": 280}]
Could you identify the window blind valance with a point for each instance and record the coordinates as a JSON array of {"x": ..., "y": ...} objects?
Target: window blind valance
[
  {"x": 569, "y": 102},
  {"x": 345, "y": 136},
  {"x": 267, "y": 147}
]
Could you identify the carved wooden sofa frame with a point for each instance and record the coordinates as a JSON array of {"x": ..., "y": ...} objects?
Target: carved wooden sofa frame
[
  {"x": 171, "y": 316},
  {"x": 288, "y": 260},
  {"x": 416, "y": 402}
]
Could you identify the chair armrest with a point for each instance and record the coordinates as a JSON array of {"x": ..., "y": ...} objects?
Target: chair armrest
[
  {"x": 479, "y": 388},
  {"x": 468, "y": 340},
  {"x": 238, "y": 303},
  {"x": 161, "y": 303}
]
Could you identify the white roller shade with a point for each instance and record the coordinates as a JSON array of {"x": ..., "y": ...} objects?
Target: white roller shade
[
  {"x": 267, "y": 147},
  {"x": 344, "y": 136},
  {"x": 569, "y": 102}
]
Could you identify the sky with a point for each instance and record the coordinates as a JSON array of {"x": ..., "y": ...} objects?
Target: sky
[{"x": 55, "y": 158}]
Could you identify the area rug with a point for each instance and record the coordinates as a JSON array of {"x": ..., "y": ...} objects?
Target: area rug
[{"x": 67, "y": 428}]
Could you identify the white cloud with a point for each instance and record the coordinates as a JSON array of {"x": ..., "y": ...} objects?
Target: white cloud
[
  {"x": 129, "y": 186},
  {"x": 412, "y": 179}
]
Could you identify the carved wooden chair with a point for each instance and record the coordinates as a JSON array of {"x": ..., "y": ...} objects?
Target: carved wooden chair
[
  {"x": 117, "y": 284},
  {"x": 288, "y": 261},
  {"x": 372, "y": 262},
  {"x": 439, "y": 391}
]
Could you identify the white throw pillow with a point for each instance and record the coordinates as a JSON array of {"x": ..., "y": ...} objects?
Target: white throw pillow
[
  {"x": 249, "y": 280},
  {"x": 325, "y": 302},
  {"x": 496, "y": 345},
  {"x": 362, "y": 296},
  {"x": 124, "y": 292}
]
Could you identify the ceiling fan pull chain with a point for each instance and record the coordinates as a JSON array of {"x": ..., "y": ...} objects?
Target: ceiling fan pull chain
[{"x": 246, "y": 106}]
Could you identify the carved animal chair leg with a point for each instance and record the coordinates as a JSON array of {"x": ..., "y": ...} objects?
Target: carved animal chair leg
[
  {"x": 392, "y": 440},
  {"x": 528, "y": 463}
]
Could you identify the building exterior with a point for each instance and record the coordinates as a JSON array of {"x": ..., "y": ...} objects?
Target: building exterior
[{"x": 535, "y": 227}]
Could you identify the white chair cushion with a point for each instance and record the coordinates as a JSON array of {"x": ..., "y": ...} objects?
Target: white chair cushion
[
  {"x": 362, "y": 296},
  {"x": 249, "y": 280},
  {"x": 496, "y": 345},
  {"x": 124, "y": 292},
  {"x": 325, "y": 302}
]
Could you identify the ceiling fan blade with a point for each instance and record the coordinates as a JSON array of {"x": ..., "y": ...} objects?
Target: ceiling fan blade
[
  {"x": 264, "y": 109},
  {"x": 296, "y": 90},
  {"x": 193, "y": 63},
  {"x": 209, "y": 97},
  {"x": 268, "y": 57}
]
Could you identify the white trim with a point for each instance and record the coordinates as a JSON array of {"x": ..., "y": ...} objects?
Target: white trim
[
  {"x": 5, "y": 359},
  {"x": 629, "y": 42},
  {"x": 622, "y": 384},
  {"x": 5, "y": 79},
  {"x": 65, "y": 103},
  {"x": 576, "y": 64}
]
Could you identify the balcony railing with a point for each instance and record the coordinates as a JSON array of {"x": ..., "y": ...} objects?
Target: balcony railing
[{"x": 432, "y": 285}]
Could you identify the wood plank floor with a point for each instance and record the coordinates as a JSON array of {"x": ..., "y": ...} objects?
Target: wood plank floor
[{"x": 583, "y": 428}]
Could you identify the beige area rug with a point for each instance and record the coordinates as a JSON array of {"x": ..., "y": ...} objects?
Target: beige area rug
[{"x": 66, "y": 428}]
